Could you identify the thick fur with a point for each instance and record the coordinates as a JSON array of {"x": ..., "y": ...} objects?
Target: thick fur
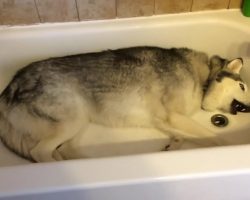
[{"x": 49, "y": 102}]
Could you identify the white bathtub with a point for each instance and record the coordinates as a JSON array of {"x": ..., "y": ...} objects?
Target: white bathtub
[{"x": 210, "y": 173}]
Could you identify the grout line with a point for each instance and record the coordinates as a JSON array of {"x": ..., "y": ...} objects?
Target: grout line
[
  {"x": 229, "y": 2},
  {"x": 37, "y": 11},
  {"x": 154, "y": 8},
  {"x": 191, "y": 6},
  {"x": 116, "y": 12},
  {"x": 77, "y": 11}
]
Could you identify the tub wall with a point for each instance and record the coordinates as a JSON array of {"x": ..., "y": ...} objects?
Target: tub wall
[{"x": 15, "y": 12}]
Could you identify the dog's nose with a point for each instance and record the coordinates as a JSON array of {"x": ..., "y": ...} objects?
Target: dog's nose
[{"x": 237, "y": 106}]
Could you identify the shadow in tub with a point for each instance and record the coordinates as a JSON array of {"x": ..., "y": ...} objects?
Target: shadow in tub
[
  {"x": 129, "y": 141},
  {"x": 95, "y": 150},
  {"x": 117, "y": 142},
  {"x": 242, "y": 50}
]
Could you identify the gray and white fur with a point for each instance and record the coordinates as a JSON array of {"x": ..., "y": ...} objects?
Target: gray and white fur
[{"x": 49, "y": 102}]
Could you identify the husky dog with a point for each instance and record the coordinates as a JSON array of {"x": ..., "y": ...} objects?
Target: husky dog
[{"x": 49, "y": 102}]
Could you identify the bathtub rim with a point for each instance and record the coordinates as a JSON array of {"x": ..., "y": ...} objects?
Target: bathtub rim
[
  {"x": 195, "y": 161},
  {"x": 227, "y": 16}
]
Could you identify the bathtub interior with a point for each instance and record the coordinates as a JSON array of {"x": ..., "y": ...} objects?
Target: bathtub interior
[{"x": 224, "y": 33}]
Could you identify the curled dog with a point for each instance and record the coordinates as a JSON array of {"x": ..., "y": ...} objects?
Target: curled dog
[{"x": 49, "y": 102}]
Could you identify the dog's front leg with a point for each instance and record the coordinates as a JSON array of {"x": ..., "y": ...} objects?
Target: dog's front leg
[{"x": 193, "y": 131}]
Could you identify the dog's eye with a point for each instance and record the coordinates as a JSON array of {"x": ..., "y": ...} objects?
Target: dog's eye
[{"x": 242, "y": 87}]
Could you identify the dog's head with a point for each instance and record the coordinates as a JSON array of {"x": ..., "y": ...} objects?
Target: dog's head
[{"x": 225, "y": 85}]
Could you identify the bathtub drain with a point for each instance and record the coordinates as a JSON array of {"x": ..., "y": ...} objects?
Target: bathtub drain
[{"x": 219, "y": 120}]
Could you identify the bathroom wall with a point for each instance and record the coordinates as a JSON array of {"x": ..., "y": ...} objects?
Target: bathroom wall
[{"x": 15, "y": 12}]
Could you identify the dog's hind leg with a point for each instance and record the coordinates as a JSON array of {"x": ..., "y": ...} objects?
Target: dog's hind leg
[
  {"x": 48, "y": 121},
  {"x": 63, "y": 131},
  {"x": 72, "y": 118}
]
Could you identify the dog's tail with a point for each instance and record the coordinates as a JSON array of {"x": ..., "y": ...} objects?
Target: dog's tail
[{"x": 15, "y": 141}]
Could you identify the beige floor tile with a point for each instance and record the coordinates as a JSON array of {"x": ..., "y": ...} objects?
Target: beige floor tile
[
  {"x": 57, "y": 10},
  {"x": 172, "y": 6},
  {"x": 209, "y": 4},
  {"x": 13, "y": 12},
  {"x": 96, "y": 9},
  {"x": 135, "y": 8},
  {"x": 235, "y": 3}
]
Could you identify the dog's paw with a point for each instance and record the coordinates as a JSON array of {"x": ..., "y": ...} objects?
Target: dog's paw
[
  {"x": 41, "y": 156},
  {"x": 175, "y": 144},
  {"x": 57, "y": 156}
]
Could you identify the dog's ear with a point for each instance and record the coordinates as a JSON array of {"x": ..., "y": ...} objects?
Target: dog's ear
[
  {"x": 235, "y": 65},
  {"x": 216, "y": 64}
]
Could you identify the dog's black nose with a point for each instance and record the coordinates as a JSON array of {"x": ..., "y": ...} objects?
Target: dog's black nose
[{"x": 237, "y": 106}]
